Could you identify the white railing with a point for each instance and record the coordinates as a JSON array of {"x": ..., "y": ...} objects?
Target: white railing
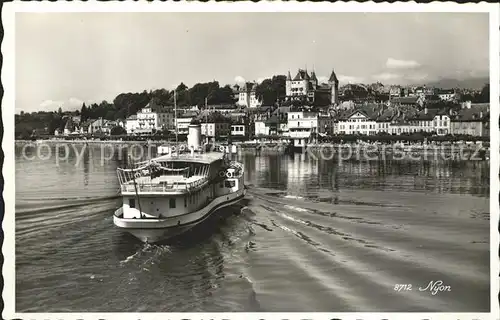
[{"x": 162, "y": 187}]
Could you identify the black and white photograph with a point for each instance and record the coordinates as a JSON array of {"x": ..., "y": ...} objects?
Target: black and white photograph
[{"x": 250, "y": 159}]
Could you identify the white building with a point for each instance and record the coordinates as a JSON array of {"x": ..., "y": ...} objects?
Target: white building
[
  {"x": 442, "y": 124},
  {"x": 96, "y": 126},
  {"x": 214, "y": 125},
  {"x": 153, "y": 117},
  {"x": 248, "y": 97},
  {"x": 447, "y": 95},
  {"x": 182, "y": 124},
  {"x": 432, "y": 120},
  {"x": 358, "y": 122},
  {"x": 131, "y": 124},
  {"x": 383, "y": 121},
  {"x": 261, "y": 128},
  {"x": 238, "y": 130},
  {"x": 304, "y": 125}
]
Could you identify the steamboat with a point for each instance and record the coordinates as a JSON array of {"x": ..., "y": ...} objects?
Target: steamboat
[{"x": 168, "y": 195}]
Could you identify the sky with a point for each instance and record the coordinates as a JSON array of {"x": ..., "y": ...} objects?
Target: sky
[{"x": 65, "y": 59}]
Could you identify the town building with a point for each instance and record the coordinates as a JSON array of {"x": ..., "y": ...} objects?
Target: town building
[
  {"x": 154, "y": 118},
  {"x": 76, "y": 119},
  {"x": 305, "y": 126},
  {"x": 214, "y": 124},
  {"x": 241, "y": 128},
  {"x": 131, "y": 124},
  {"x": 396, "y": 91},
  {"x": 360, "y": 121},
  {"x": 108, "y": 126},
  {"x": 448, "y": 94},
  {"x": 247, "y": 96},
  {"x": 423, "y": 120},
  {"x": 472, "y": 120},
  {"x": 85, "y": 126},
  {"x": 96, "y": 126},
  {"x": 236, "y": 92},
  {"x": 423, "y": 92},
  {"x": 306, "y": 88},
  {"x": 401, "y": 122},
  {"x": 69, "y": 127},
  {"x": 261, "y": 129},
  {"x": 383, "y": 120},
  {"x": 442, "y": 123},
  {"x": 184, "y": 120},
  {"x": 414, "y": 101},
  {"x": 355, "y": 92}
]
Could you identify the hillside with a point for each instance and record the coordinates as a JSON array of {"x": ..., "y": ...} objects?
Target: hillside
[{"x": 470, "y": 83}]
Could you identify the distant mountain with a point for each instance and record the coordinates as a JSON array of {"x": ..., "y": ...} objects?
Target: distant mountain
[{"x": 470, "y": 83}]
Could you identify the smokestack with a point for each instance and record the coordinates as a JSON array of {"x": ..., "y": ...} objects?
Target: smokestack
[{"x": 194, "y": 136}]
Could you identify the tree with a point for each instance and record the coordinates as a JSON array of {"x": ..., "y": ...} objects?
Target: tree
[
  {"x": 484, "y": 96},
  {"x": 270, "y": 90},
  {"x": 110, "y": 115},
  {"x": 59, "y": 111},
  {"x": 162, "y": 97},
  {"x": 116, "y": 131},
  {"x": 84, "y": 113},
  {"x": 181, "y": 87}
]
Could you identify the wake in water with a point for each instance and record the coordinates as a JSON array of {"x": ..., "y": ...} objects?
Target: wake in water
[
  {"x": 375, "y": 243},
  {"x": 151, "y": 252}
]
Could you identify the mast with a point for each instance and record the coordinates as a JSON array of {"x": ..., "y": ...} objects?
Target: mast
[
  {"x": 206, "y": 118},
  {"x": 135, "y": 187},
  {"x": 175, "y": 117},
  {"x": 278, "y": 124}
]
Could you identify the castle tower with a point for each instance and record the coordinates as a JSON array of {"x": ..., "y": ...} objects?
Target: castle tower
[
  {"x": 334, "y": 83},
  {"x": 289, "y": 84},
  {"x": 314, "y": 80}
]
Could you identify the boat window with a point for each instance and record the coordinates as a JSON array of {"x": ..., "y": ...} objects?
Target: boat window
[
  {"x": 172, "y": 203},
  {"x": 229, "y": 183},
  {"x": 131, "y": 203},
  {"x": 185, "y": 202}
]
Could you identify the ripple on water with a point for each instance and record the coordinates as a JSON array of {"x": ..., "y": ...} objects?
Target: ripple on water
[{"x": 310, "y": 236}]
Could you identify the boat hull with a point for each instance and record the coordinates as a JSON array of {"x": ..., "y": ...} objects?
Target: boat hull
[{"x": 157, "y": 230}]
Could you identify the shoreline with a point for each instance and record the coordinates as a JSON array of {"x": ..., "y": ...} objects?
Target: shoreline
[
  {"x": 252, "y": 145},
  {"x": 284, "y": 146}
]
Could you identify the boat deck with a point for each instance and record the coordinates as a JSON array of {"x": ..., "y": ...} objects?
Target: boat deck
[
  {"x": 207, "y": 157},
  {"x": 164, "y": 183}
]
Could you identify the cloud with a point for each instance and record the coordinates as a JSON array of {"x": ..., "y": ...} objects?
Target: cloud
[
  {"x": 322, "y": 79},
  {"x": 239, "y": 79},
  {"x": 386, "y": 76},
  {"x": 73, "y": 103},
  {"x": 70, "y": 104},
  {"x": 349, "y": 79},
  {"x": 50, "y": 104},
  {"x": 401, "y": 64}
]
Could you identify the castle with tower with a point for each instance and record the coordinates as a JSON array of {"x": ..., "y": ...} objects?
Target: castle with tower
[{"x": 306, "y": 87}]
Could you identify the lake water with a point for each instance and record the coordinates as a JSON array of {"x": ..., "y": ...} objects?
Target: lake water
[{"x": 311, "y": 235}]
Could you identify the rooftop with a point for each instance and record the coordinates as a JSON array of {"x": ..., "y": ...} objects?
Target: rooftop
[
  {"x": 301, "y": 75},
  {"x": 475, "y": 113},
  {"x": 405, "y": 100}
]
